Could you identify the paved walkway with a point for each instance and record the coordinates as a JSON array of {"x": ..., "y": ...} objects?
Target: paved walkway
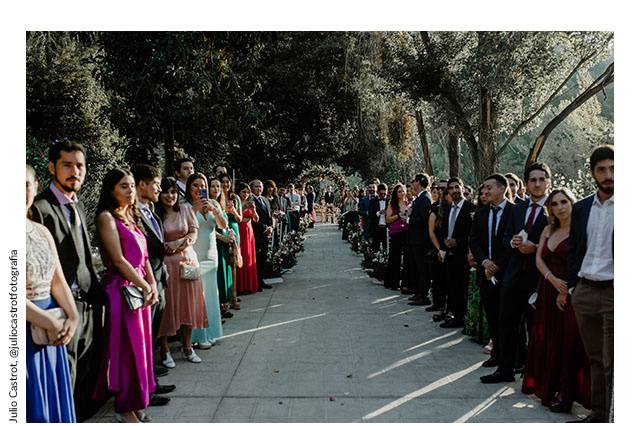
[{"x": 332, "y": 345}]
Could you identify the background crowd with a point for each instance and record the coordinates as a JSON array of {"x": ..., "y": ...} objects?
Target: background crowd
[
  {"x": 541, "y": 262},
  {"x": 176, "y": 252}
]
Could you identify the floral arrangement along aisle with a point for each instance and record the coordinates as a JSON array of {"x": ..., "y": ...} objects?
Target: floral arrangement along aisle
[{"x": 284, "y": 257}]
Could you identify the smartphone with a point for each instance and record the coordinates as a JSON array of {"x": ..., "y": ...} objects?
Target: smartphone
[{"x": 203, "y": 194}]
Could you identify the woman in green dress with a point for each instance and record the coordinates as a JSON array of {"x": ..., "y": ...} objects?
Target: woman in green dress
[
  {"x": 232, "y": 207},
  {"x": 224, "y": 240}
]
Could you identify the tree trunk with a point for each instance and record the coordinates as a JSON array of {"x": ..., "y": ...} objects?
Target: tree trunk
[
  {"x": 453, "y": 150},
  {"x": 598, "y": 84},
  {"x": 424, "y": 143},
  {"x": 486, "y": 160}
]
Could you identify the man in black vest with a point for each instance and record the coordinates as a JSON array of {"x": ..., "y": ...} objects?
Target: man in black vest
[
  {"x": 590, "y": 280},
  {"x": 418, "y": 238},
  {"x": 456, "y": 229},
  {"x": 58, "y": 208},
  {"x": 262, "y": 230},
  {"x": 491, "y": 254},
  {"x": 522, "y": 234},
  {"x": 147, "y": 180}
]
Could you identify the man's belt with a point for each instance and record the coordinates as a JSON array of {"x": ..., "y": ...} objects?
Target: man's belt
[{"x": 599, "y": 284}]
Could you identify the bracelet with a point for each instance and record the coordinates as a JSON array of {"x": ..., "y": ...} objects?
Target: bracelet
[{"x": 547, "y": 274}]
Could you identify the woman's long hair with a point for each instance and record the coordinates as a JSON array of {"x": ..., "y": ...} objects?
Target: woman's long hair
[
  {"x": 221, "y": 198},
  {"x": 166, "y": 185},
  {"x": 554, "y": 222},
  {"x": 107, "y": 201},
  {"x": 395, "y": 201},
  {"x": 190, "y": 180}
]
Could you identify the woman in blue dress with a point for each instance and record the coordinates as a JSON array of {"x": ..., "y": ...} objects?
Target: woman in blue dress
[
  {"x": 49, "y": 395},
  {"x": 209, "y": 215}
]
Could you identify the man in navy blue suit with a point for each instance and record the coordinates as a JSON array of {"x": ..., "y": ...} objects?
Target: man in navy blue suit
[
  {"x": 418, "y": 238},
  {"x": 522, "y": 234},
  {"x": 590, "y": 279}
]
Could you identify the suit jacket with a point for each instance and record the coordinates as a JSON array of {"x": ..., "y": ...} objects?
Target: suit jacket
[
  {"x": 263, "y": 208},
  {"x": 522, "y": 270},
  {"x": 155, "y": 247},
  {"x": 363, "y": 206},
  {"x": 329, "y": 198},
  {"x": 47, "y": 210},
  {"x": 461, "y": 229},
  {"x": 374, "y": 208},
  {"x": 311, "y": 197},
  {"x": 479, "y": 239},
  {"x": 419, "y": 220},
  {"x": 578, "y": 238}
]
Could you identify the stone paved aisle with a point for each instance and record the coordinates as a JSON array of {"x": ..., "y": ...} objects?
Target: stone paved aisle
[{"x": 332, "y": 345}]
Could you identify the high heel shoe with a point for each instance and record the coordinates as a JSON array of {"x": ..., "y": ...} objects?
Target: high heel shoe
[
  {"x": 143, "y": 417},
  {"x": 192, "y": 357},
  {"x": 168, "y": 361},
  {"x": 118, "y": 418},
  {"x": 235, "y": 306}
]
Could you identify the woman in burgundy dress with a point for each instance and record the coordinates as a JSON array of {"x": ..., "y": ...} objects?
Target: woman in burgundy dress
[
  {"x": 557, "y": 370},
  {"x": 248, "y": 274}
]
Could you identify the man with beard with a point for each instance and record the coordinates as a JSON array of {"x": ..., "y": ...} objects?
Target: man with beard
[
  {"x": 590, "y": 279},
  {"x": 58, "y": 208}
]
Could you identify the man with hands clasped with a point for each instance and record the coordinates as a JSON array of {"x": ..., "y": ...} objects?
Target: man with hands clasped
[{"x": 522, "y": 234}]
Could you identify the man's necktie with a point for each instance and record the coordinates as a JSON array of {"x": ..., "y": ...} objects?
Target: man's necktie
[
  {"x": 494, "y": 226},
  {"x": 154, "y": 222},
  {"x": 452, "y": 220},
  {"x": 531, "y": 218},
  {"x": 83, "y": 275}
]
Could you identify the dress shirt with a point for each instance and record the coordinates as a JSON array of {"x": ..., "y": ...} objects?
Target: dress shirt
[
  {"x": 498, "y": 217},
  {"x": 597, "y": 264},
  {"x": 146, "y": 210},
  {"x": 453, "y": 216},
  {"x": 540, "y": 204},
  {"x": 383, "y": 206},
  {"x": 294, "y": 201},
  {"x": 182, "y": 186}
]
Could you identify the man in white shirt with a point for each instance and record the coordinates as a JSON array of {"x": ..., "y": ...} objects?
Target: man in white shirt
[
  {"x": 590, "y": 279},
  {"x": 294, "y": 206},
  {"x": 377, "y": 209},
  {"x": 183, "y": 169}
]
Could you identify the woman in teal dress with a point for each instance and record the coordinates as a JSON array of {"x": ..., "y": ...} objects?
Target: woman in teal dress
[
  {"x": 232, "y": 207},
  {"x": 224, "y": 238},
  {"x": 209, "y": 215}
]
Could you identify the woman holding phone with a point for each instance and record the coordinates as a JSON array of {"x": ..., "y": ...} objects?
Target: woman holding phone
[{"x": 209, "y": 214}]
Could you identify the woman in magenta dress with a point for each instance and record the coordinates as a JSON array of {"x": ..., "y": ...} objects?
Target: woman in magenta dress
[
  {"x": 127, "y": 366},
  {"x": 557, "y": 369},
  {"x": 248, "y": 274}
]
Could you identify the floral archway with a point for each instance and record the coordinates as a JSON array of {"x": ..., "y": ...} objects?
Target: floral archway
[{"x": 320, "y": 173}]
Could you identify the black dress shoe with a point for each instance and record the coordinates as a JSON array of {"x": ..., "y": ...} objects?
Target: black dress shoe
[
  {"x": 437, "y": 317},
  {"x": 519, "y": 369},
  {"x": 491, "y": 362},
  {"x": 419, "y": 301},
  {"x": 158, "y": 401},
  {"x": 433, "y": 308},
  {"x": 161, "y": 389},
  {"x": 589, "y": 419},
  {"x": 227, "y": 314},
  {"x": 267, "y": 286},
  {"x": 159, "y": 371},
  {"x": 561, "y": 406},
  {"x": 412, "y": 298},
  {"x": 259, "y": 289},
  {"x": 497, "y": 377},
  {"x": 452, "y": 323}
]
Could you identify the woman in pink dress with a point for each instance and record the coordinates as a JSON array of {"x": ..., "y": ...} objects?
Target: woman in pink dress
[
  {"x": 248, "y": 274},
  {"x": 127, "y": 365}
]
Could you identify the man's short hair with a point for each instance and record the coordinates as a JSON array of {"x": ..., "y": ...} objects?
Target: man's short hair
[
  {"x": 67, "y": 146},
  {"x": 455, "y": 179},
  {"x": 422, "y": 179},
  {"x": 382, "y": 186},
  {"x": 177, "y": 165},
  {"x": 255, "y": 182},
  {"x": 514, "y": 178},
  {"x": 537, "y": 166},
  {"x": 603, "y": 152},
  {"x": 145, "y": 172},
  {"x": 500, "y": 178}
]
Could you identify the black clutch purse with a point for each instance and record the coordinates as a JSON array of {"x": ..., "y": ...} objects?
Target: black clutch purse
[{"x": 133, "y": 296}]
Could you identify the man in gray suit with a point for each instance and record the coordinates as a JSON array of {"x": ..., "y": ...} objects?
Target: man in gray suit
[{"x": 59, "y": 209}]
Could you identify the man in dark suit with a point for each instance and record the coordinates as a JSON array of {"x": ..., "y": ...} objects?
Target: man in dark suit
[
  {"x": 58, "y": 208},
  {"x": 590, "y": 279},
  {"x": 147, "y": 179},
  {"x": 376, "y": 214},
  {"x": 183, "y": 168},
  {"x": 522, "y": 234},
  {"x": 363, "y": 209},
  {"x": 456, "y": 229},
  {"x": 262, "y": 230},
  {"x": 491, "y": 254},
  {"x": 418, "y": 238}
]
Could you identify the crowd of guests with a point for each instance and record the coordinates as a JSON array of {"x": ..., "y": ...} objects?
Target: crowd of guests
[
  {"x": 176, "y": 252},
  {"x": 543, "y": 264}
]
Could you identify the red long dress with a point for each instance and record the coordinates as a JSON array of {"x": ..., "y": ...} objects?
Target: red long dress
[
  {"x": 556, "y": 360},
  {"x": 247, "y": 275}
]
